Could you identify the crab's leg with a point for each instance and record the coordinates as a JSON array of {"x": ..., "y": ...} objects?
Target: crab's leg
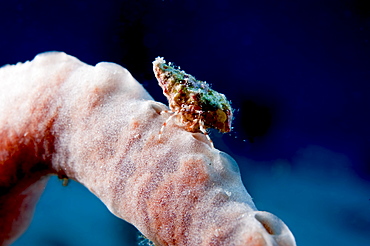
[
  {"x": 204, "y": 131},
  {"x": 165, "y": 123}
]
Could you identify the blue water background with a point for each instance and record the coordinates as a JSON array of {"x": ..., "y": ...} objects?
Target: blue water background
[{"x": 297, "y": 73}]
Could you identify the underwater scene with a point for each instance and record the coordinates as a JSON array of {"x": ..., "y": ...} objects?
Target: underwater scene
[{"x": 297, "y": 74}]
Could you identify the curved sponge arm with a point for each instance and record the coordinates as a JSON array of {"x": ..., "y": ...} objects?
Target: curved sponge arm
[{"x": 98, "y": 125}]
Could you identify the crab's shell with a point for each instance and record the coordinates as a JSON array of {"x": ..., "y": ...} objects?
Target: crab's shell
[{"x": 193, "y": 100}]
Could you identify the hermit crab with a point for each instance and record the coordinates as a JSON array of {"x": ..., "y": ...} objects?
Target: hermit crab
[{"x": 192, "y": 101}]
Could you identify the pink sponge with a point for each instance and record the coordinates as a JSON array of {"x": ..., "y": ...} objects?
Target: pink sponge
[{"x": 98, "y": 125}]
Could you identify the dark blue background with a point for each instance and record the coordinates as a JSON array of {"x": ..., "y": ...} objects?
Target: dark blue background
[{"x": 297, "y": 73}]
